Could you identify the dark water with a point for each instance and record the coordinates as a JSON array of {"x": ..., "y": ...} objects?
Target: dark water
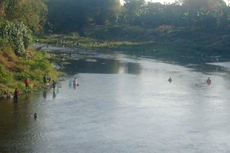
[{"x": 123, "y": 104}]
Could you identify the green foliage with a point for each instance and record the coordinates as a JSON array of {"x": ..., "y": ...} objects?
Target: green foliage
[
  {"x": 17, "y": 35},
  {"x": 34, "y": 68},
  {"x": 134, "y": 8},
  {"x": 194, "y": 13},
  {"x": 32, "y": 13},
  {"x": 4, "y": 75},
  {"x": 21, "y": 76},
  {"x": 65, "y": 16},
  {"x": 41, "y": 64},
  {"x": 72, "y": 16},
  {"x": 38, "y": 64}
]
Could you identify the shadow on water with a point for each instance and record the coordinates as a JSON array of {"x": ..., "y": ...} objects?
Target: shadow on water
[
  {"x": 14, "y": 121},
  {"x": 102, "y": 66}
]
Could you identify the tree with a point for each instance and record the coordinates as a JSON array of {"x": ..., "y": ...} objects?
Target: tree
[
  {"x": 134, "y": 8},
  {"x": 105, "y": 11},
  {"x": 17, "y": 35},
  {"x": 32, "y": 13},
  {"x": 207, "y": 4},
  {"x": 72, "y": 15}
]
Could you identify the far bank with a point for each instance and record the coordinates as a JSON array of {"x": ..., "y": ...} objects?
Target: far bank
[{"x": 161, "y": 42}]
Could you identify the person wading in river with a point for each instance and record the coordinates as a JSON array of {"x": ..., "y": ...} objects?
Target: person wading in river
[
  {"x": 54, "y": 85},
  {"x": 16, "y": 93},
  {"x": 75, "y": 82},
  {"x": 208, "y": 81},
  {"x": 45, "y": 79}
]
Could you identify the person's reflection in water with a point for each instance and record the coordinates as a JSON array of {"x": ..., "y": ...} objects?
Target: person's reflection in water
[
  {"x": 15, "y": 101},
  {"x": 70, "y": 83},
  {"x": 54, "y": 94},
  {"x": 58, "y": 88},
  {"x": 27, "y": 98},
  {"x": 75, "y": 87},
  {"x": 15, "y": 107},
  {"x": 44, "y": 93},
  {"x": 15, "y": 110}
]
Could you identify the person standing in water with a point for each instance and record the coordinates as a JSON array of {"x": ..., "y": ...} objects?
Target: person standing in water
[
  {"x": 35, "y": 116},
  {"x": 45, "y": 79},
  {"x": 16, "y": 93},
  {"x": 54, "y": 85},
  {"x": 170, "y": 80},
  {"x": 208, "y": 81},
  {"x": 75, "y": 82}
]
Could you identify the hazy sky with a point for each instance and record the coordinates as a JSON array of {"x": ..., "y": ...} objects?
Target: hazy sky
[{"x": 162, "y": 1}]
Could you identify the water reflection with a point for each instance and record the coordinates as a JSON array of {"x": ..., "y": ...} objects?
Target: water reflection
[
  {"x": 54, "y": 94},
  {"x": 15, "y": 120},
  {"x": 27, "y": 98},
  {"x": 44, "y": 93},
  {"x": 70, "y": 83},
  {"x": 102, "y": 66}
]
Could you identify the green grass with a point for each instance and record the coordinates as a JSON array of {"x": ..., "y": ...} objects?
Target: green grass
[{"x": 13, "y": 72}]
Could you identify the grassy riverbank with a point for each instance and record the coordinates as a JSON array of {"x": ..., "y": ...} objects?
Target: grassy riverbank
[
  {"x": 15, "y": 69},
  {"x": 164, "y": 41}
]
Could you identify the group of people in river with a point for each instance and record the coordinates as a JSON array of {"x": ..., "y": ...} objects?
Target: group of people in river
[
  {"x": 74, "y": 83},
  {"x": 46, "y": 82}
]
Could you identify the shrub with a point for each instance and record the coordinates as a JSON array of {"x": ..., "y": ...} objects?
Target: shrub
[
  {"x": 17, "y": 35},
  {"x": 4, "y": 75}
]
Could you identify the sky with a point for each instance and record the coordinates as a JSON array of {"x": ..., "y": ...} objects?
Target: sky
[{"x": 162, "y": 1}]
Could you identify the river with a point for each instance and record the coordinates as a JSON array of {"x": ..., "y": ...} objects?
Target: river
[{"x": 123, "y": 104}]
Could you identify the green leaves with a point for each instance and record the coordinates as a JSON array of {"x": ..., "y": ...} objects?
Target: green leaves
[
  {"x": 17, "y": 35},
  {"x": 4, "y": 75},
  {"x": 33, "y": 13},
  {"x": 68, "y": 16}
]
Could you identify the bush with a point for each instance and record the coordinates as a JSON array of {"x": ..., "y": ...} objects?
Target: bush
[
  {"x": 17, "y": 35},
  {"x": 4, "y": 75}
]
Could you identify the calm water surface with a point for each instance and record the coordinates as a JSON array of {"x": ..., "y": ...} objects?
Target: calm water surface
[{"x": 123, "y": 104}]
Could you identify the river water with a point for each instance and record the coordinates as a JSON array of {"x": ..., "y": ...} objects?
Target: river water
[{"x": 123, "y": 104}]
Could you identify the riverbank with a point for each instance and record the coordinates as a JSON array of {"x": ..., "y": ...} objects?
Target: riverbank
[
  {"x": 162, "y": 42},
  {"x": 15, "y": 69}
]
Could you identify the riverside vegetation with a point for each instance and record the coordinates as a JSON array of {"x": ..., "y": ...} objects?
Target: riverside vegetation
[
  {"x": 19, "y": 60},
  {"x": 161, "y": 42}
]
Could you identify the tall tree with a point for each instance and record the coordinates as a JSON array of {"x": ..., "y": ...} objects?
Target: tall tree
[
  {"x": 134, "y": 8},
  {"x": 105, "y": 11},
  {"x": 73, "y": 14},
  {"x": 31, "y": 12}
]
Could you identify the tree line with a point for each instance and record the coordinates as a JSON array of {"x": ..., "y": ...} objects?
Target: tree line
[{"x": 70, "y": 15}]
